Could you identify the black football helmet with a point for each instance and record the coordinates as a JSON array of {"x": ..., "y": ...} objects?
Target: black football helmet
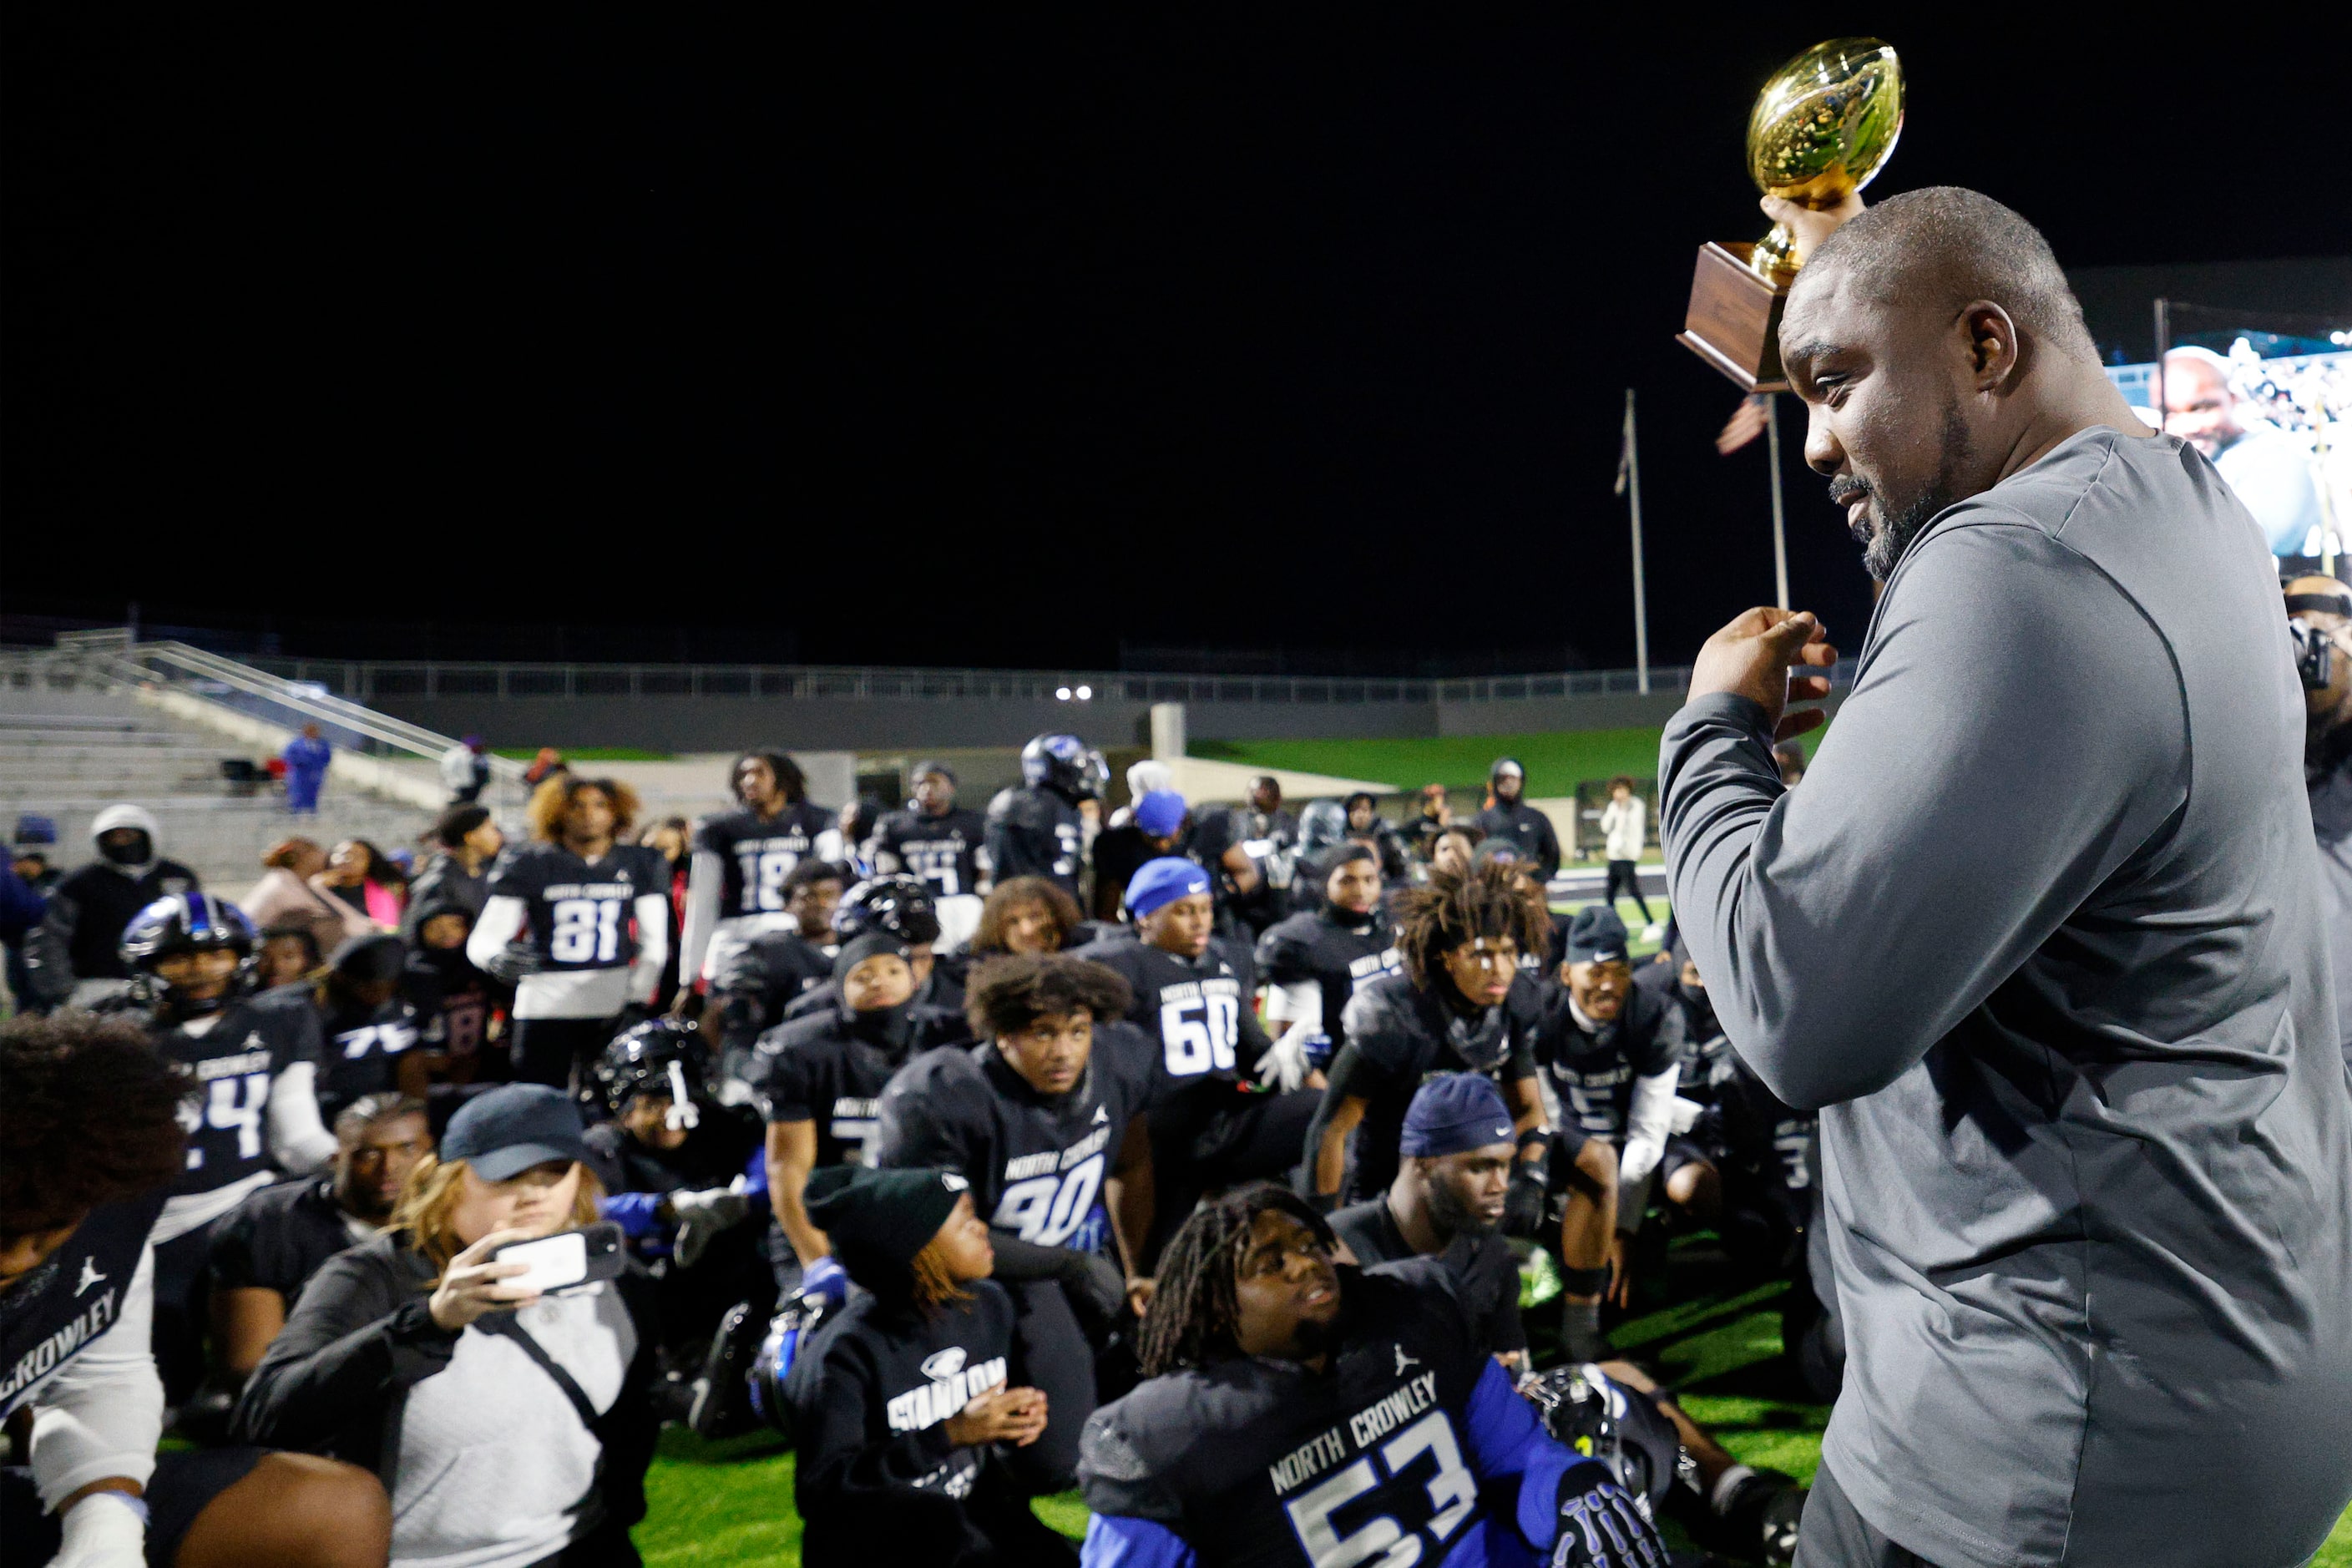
[
  {"x": 900, "y": 905},
  {"x": 658, "y": 1056},
  {"x": 192, "y": 921},
  {"x": 1065, "y": 764}
]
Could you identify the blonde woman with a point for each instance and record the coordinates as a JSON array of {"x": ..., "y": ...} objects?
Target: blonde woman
[{"x": 511, "y": 1429}]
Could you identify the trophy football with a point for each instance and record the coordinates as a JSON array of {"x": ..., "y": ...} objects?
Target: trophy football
[{"x": 1822, "y": 128}]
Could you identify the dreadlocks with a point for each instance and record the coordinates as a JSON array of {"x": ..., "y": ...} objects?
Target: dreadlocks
[
  {"x": 1192, "y": 1317},
  {"x": 1458, "y": 907}
]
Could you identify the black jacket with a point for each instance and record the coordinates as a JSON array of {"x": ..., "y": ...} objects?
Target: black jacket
[
  {"x": 78, "y": 937},
  {"x": 337, "y": 1378},
  {"x": 1523, "y": 824}
]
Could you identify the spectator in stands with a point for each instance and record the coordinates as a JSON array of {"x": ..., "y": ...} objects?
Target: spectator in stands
[
  {"x": 1508, "y": 816},
  {"x": 545, "y": 766},
  {"x": 290, "y": 894},
  {"x": 905, "y": 1408},
  {"x": 1028, "y": 914},
  {"x": 265, "y": 1250},
  {"x": 466, "y": 844},
  {"x": 1625, "y": 833},
  {"x": 1153, "y": 825},
  {"x": 466, "y": 771},
  {"x": 510, "y": 1428},
  {"x": 72, "y": 956},
  {"x": 306, "y": 756},
  {"x": 364, "y": 881}
]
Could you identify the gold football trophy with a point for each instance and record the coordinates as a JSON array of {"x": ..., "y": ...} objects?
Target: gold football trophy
[{"x": 1822, "y": 128}]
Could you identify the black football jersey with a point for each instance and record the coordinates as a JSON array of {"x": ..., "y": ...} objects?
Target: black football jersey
[
  {"x": 234, "y": 1063},
  {"x": 1033, "y": 832},
  {"x": 758, "y": 979},
  {"x": 1403, "y": 1037},
  {"x": 1340, "y": 952},
  {"x": 360, "y": 1050},
  {"x": 58, "y": 1310},
  {"x": 944, "y": 851},
  {"x": 757, "y": 853},
  {"x": 1200, "y": 1013},
  {"x": 579, "y": 915},
  {"x": 1259, "y": 1463},
  {"x": 1744, "y": 1127},
  {"x": 1035, "y": 1164},
  {"x": 1592, "y": 1070},
  {"x": 825, "y": 1069},
  {"x": 1486, "y": 1274}
]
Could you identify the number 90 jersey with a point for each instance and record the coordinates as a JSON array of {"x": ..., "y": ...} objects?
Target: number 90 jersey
[
  {"x": 581, "y": 916},
  {"x": 1381, "y": 1458},
  {"x": 1036, "y": 1163}
]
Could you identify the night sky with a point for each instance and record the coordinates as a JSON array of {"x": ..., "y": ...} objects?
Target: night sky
[{"x": 982, "y": 341}]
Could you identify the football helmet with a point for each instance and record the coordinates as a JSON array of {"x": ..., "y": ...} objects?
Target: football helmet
[
  {"x": 1065, "y": 764},
  {"x": 900, "y": 905}
]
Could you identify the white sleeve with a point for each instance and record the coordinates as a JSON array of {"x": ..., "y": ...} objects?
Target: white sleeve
[
  {"x": 652, "y": 911},
  {"x": 501, "y": 923},
  {"x": 1647, "y": 1124},
  {"x": 298, "y": 1139},
  {"x": 104, "y": 1414},
  {"x": 1298, "y": 1004},
  {"x": 706, "y": 874}
]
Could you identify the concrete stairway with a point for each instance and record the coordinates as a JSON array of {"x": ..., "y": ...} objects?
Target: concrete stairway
[{"x": 66, "y": 754}]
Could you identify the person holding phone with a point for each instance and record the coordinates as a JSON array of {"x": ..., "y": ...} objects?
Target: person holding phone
[
  {"x": 511, "y": 1425},
  {"x": 904, "y": 1404}
]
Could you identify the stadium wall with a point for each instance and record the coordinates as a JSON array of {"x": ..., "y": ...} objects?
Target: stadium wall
[{"x": 727, "y": 723}]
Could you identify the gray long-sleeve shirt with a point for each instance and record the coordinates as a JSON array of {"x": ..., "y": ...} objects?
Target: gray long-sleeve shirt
[{"x": 2042, "y": 930}]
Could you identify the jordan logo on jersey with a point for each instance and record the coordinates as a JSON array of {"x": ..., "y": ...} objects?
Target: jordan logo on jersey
[{"x": 90, "y": 1275}]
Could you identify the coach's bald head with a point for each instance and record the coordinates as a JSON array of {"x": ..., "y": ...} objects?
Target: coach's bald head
[{"x": 1939, "y": 350}]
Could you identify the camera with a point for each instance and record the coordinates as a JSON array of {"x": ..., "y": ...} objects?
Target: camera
[{"x": 2315, "y": 653}]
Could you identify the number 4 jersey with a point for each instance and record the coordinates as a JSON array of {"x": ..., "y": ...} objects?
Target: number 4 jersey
[
  {"x": 1409, "y": 1447},
  {"x": 256, "y": 1072},
  {"x": 1036, "y": 1163}
]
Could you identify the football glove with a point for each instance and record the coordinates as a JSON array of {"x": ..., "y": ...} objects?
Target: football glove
[{"x": 1602, "y": 1525}]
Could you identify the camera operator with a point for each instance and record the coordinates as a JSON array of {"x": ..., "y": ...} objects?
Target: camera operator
[{"x": 2319, "y": 618}]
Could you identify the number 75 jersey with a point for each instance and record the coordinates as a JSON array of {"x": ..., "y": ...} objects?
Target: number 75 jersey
[
  {"x": 1403, "y": 1451},
  {"x": 1036, "y": 1162}
]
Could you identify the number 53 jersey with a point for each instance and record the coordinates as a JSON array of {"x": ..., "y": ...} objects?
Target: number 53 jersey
[
  {"x": 1035, "y": 1161},
  {"x": 1410, "y": 1447}
]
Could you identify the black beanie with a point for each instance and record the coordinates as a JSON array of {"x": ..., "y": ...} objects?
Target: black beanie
[
  {"x": 379, "y": 956},
  {"x": 877, "y": 1220},
  {"x": 866, "y": 945}
]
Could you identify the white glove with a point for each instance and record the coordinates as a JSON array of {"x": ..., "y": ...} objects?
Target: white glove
[
  {"x": 1284, "y": 1067},
  {"x": 105, "y": 1530},
  {"x": 1686, "y": 1114},
  {"x": 701, "y": 1216}
]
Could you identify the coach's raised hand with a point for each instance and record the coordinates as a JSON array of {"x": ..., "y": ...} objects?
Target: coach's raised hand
[{"x": 1752, "y": 656}]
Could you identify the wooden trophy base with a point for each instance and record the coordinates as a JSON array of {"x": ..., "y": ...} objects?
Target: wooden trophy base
[{"x": 1734, "y": 322}]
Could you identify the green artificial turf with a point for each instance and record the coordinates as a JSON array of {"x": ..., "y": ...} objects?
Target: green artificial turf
[{"x": 1556, "y": 762}]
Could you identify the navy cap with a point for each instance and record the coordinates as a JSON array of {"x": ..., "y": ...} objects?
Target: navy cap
[
  {"x": 1452, "y": 1112},
  {"x": 1596, "y": 936},
  {"x": 506, "y": 1132},
  {"x": 1161, "y": 882},
  {"x": 1160, "y": 812}
]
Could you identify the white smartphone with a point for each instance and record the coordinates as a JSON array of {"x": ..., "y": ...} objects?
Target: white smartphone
[{"x": 567, "y": 1258}]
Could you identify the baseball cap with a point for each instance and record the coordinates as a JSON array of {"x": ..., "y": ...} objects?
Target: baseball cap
[{"x": 509, "y": 1129}]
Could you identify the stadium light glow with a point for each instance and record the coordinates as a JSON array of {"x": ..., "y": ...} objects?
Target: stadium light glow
[
  {"x": 1085, "y": 693},
  {"x": 1061, "y": 694}
]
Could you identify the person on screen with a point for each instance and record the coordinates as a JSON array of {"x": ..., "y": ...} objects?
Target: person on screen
[{"x": 2265, "y": 467}]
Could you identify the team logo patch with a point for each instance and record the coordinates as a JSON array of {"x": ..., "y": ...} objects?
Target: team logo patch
[{"x": 943, "y": 1363}]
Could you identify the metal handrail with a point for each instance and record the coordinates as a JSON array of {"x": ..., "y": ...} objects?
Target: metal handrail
[{"x": 304, "y": 698}]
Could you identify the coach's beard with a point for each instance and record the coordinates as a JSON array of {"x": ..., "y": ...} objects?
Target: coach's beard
[{"x": 1884, "y": 541}]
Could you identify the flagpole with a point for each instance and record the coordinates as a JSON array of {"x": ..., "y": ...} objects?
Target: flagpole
[
  {"x": 1780, "y": 531},
  {"x": 1640, "y": 607}
]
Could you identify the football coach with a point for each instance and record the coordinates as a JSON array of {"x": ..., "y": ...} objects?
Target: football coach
[{"x": 2041, "y": 931}]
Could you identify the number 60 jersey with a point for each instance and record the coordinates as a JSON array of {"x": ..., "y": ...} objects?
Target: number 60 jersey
[
  {"x": 1036, "y": 1163},
  {"x": 1410, "y": 1447}
]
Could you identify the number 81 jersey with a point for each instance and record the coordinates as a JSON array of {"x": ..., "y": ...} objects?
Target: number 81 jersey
[
  {"x": 581, "y": 916},
  {"x": 1380, "y": 1459},
  {"x": 1036, "y": 1162}
]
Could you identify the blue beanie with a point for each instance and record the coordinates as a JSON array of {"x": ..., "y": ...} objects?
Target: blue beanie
[
  {"x": 1160, "y": 812},
  {"x": 1161, "y": 882},
  {"x": 1457, "y": 1111}
]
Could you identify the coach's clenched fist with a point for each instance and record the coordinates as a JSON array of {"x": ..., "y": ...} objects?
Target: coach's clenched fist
[{"x": 1751, "y": 657}]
